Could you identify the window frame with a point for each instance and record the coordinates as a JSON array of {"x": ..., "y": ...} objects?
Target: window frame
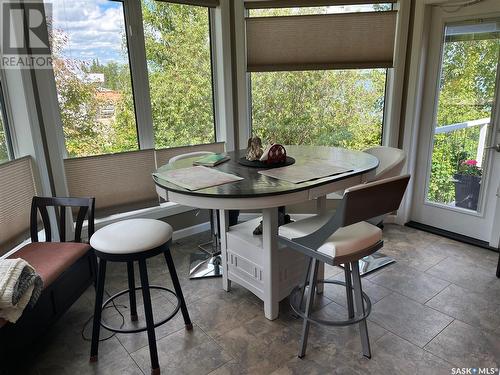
[
  {"x": 5, "y": 114},
  {"x": 140, "y": 76}
]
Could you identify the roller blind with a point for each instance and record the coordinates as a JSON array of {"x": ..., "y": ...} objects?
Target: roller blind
[
  {"x": 201, "y": 3},
  {"x": 114, "y": 180},
  {"x": 262, "y": 4},
  {"x": 17, "y": 188},
  {"x": 326, "y": 41}
]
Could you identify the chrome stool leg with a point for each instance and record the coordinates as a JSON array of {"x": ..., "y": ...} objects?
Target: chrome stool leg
[
  {"x": 360, "y": 310},
  {"x": 313, "y": 273}
]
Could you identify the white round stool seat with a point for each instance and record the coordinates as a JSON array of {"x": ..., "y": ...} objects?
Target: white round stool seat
[{"x": 131, "y": 236}]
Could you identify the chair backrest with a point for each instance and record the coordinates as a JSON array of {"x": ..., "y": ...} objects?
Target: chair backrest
[
  {"x": 86, "y": 208},
  {"x": 360, "y": 203},
  {"x": 366, "y": 201},
  {"x": 189, "y": 155},
  {"x": 391, "y": 161}
]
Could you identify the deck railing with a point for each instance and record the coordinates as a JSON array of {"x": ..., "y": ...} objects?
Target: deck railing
[{"x": 483, "y": 123}]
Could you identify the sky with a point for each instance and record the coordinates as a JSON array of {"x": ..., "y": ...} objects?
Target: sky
[{"x": 94, "y": 28}]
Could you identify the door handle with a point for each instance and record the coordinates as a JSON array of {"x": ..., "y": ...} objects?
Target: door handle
[{"x": 496, "y": 147}]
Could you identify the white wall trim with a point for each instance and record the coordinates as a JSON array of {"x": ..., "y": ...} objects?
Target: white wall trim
[{"x": 190, "y": 231}]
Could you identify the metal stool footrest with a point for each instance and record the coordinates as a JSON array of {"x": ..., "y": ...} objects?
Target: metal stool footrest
[
  {"x": 295, "y": 300},
  {"x": 141, "y": 329}
]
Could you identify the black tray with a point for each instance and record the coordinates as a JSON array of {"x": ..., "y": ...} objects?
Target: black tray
[{"x": 263, "y": 164}]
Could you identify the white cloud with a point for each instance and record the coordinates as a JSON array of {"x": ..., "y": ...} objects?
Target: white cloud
[{"x": 94, "y": 28}]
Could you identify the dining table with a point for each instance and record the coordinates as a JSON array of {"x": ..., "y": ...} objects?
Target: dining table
[{"x": 260, "y": 263}]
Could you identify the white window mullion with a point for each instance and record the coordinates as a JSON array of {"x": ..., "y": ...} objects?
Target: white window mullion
[{"x": 139, "y": 72}]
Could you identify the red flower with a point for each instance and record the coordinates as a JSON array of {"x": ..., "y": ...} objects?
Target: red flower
[{"x": 471, "y": 162}]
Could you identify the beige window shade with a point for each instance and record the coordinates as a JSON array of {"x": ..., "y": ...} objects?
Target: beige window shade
[
  {"x": 326, "y": 41},
  {"x": 17, "y": 188},
  {"x": 262, "y": 4},
  {"x": 201, "y": 3},
  {"x": 116, "y": 180},
  {"x": 164, "y": 155}
]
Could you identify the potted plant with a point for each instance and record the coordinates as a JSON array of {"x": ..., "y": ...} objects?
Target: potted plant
[{"x": 467, "y": 184}]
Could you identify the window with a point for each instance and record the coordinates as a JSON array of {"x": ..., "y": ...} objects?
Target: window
[
  {"x": 94, "y": 85},
  {"x": 323, "y": 107},
  {"x": 5, "y": 151},
  {"x": 178, "y": 53}
]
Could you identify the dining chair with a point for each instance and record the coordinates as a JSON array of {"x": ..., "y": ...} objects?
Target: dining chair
[
  {"x": 343, "y": 238},
  {"x": 201, "y": 266},
  {"x": 391, "y": 163}
]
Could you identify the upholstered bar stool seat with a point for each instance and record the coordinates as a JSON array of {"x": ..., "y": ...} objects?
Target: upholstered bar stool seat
[
  {"x": 131, "y": 236},
  {"x": 347, "y": 243},
  {"x": 132, "y": 241}
]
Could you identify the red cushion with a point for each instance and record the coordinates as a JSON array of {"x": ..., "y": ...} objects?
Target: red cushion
[{"x": 51, "y": 259}]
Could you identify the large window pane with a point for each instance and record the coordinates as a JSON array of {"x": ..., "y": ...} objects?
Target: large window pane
[
  {"x": 92, "y": 74},
  {"x": 329, "y": 107},
  {"x": 177, "y": 39}
]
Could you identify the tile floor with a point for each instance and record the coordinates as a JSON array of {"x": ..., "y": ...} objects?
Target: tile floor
[{"x": 437, "y": 308}]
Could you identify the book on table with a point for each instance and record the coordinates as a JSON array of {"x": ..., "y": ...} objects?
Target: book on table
[{"x": 211, "y": 160}]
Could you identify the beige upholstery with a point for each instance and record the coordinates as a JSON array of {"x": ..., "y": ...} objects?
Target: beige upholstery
[
  {"x": 131, "y": 236},
  {"x": 189, "y": 155},
  {"x": 352, "y": 242},
  {"x": 345, "y": 245},
  {"x": 303, "y": 227},
  {"x": 391, "y": 161},
  {"x": 164, "y": 155}
]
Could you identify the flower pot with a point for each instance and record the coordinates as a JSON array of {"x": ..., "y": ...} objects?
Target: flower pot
[{"x": 467, "y": 189}]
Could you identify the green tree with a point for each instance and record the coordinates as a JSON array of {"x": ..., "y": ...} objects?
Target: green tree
[
  {"x": 3, "y": 142},
  {"x": 467, "y": 91},
  {"x": 177, "y": 39}
]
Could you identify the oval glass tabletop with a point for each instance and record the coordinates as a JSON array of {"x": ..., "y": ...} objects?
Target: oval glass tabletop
[{"x": 258, "y": 185}]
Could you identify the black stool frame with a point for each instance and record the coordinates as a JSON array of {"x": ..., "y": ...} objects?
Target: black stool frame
[{"x": 145, "y": 287}]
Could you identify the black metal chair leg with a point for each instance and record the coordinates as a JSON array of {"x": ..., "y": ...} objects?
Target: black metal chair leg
[
  {"x": 95, "y": 268},
  {"x": 131, "y": 291},
  {"x": 313, "y": 273},
  {"x": 360, "y": 309},
  {"x": 148, "y": 310},
  {"x": 101, "y": 276},
  {"x": 178, "y": 290},
  {"x": 348, "y": 290},
  {"x": 498, "y": 267}
]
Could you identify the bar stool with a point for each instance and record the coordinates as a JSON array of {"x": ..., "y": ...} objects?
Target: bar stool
[
  {"x": 132, "y": 241},
  {"x": 343, "y": 238}
]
